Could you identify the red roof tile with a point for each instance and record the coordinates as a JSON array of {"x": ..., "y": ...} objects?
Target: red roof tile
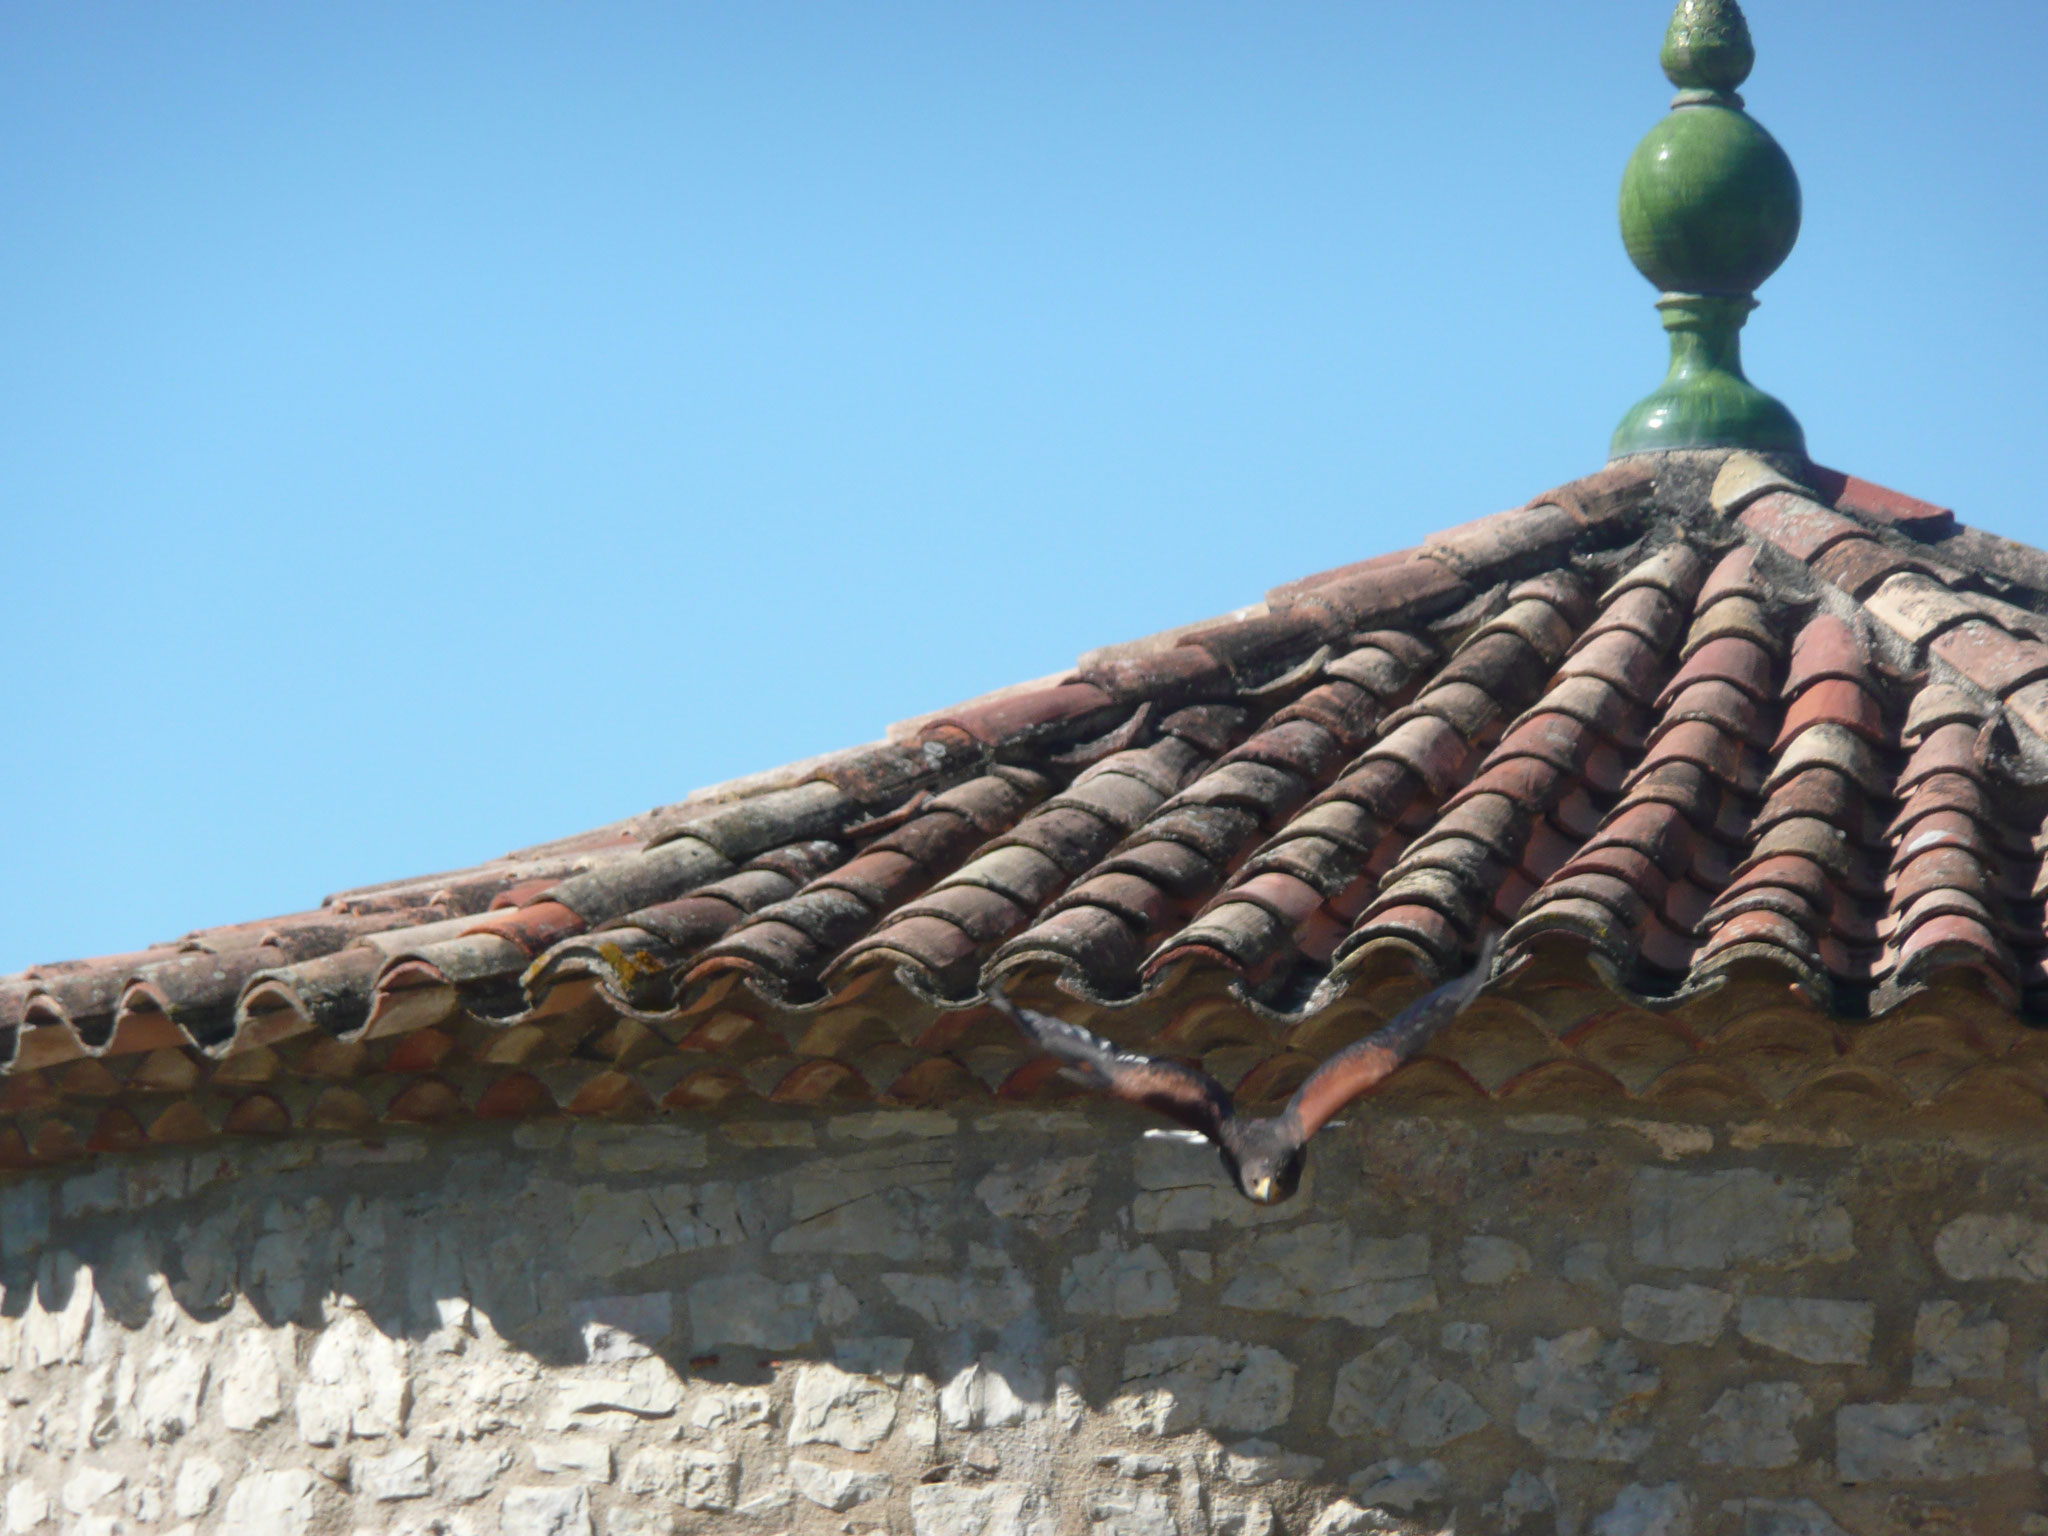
[{"x": 1785, "y": 735}]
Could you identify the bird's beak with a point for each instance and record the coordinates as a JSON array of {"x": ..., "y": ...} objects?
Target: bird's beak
[{"x": 1265, "y": 1191}]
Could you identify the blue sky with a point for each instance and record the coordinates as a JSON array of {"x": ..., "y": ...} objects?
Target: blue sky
[{"x": 430, "y": 429}]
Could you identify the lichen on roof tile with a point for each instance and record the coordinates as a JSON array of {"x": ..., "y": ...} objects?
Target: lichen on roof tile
[{"x": 1687, "y": 720}]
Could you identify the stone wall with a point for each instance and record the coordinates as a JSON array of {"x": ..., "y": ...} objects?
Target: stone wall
[{"x": 1022, "y": 1324}]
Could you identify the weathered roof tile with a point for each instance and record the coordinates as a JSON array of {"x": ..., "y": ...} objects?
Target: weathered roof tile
[
  {"x": 1359, "y": 773},
  {"x": 1995, "y": 661}
]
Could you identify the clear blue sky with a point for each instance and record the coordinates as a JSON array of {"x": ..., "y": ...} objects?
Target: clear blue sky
[{"x": 426, "y": 429}]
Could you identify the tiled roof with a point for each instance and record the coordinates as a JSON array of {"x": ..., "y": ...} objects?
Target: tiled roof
[{"x": 1687, "y": 719}]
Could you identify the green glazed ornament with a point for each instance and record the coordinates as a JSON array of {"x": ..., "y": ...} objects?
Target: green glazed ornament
[{"x": 1709, "y": 209}]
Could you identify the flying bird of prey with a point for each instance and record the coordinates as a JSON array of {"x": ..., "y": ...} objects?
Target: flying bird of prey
[{"x": 1265, "y": 1157}]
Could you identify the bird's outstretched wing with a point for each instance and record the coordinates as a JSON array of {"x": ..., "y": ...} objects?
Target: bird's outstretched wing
[
  {"x": 1185, "y": 1094},
  {"x": 1356, "y": 1068}
]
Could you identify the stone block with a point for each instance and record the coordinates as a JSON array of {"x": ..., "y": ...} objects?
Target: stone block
[
  {"x": 1751, "y": 1426},
  {"x": 646, "y": 1389},
  {"x": 151, "y": 1180},
  {"x": 1248, "y": 1517},
  {"x": 92, "y": 1194},
  {"x": 695, "y": 1477},
  {"x": 989, "y": 1394},
  {"x": 60, "y": 1313},
  {"x": 167, "y": 1393},
  {"x": 579, "y": 1456},
  {"x": 833, "y": 1407},
  {"x": 197, "y": 1486},
  {"x": 1526, "y": 1494},
  {"x": 88, "y": 1487},
  {"x": 750, "y": 1309},
  {"x": 1124, "y": 1464},
  {"x": 1389, "y": 1389},
  {"x": 1491, "y": 1261},
  {"x": 1180, "y": 1383},
  {"x": 1015, "y": 1123},
  {"x": 1398, "y": 1484},
  {"x": 1711, "y": 1221},
  {"x": 1820, "y": 1332},
  {"x": 756, "y": 1134},
  {"x": 1671, "y": 1139},
  {"x": 1323, "y": 1270},
  {"x": 837, "y": 1304},
  {"x": 618, "y": 1230},
  {"x": 990, "y": 1292},
  {"x": 406, "y": 1473},
  {"x": 978, "y": 1509},
  {"x": 1686, "y": 1314},
  {"x": 889, "y": 1124},
  {"x": 1048, "y": 1197},
  {"x": 358, "y": 1383},
  {"x": 27, "y": 1507},
  {"x": 889, "y": 1202},
  {"x": 635, "y": 1148},
  {"x": 1141, "y": 1512},
  {"x": 1472, "y": 1340},
  {"x": 546, "y": 1512},
  {"x": 616, "y": 1328},
  {"x": 836, "y": 1488},
  {"x": 734, "y": 1408},
  {"x": 1662, "y": 1510},
  {"x": 1113, "y": 1283},
  {"x": 251, "y": 1385},
  {"x": 1341, "y": 1517},
  {"x": 1585, "y": 1399},
  {"x": 470, "y": 1472},
  {"x": 1255, "y": 1463},
  {"x": 2003, "y": 1247},
  {"x": 1910, "y": 1442},
  {"x": 1951, "y": 1344},
  {"x": 1585, "y": 1265},
  {"x": 277, "y": 1503}
]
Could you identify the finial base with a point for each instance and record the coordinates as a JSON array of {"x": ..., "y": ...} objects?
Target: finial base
[{"x": 1705, "y": 402}]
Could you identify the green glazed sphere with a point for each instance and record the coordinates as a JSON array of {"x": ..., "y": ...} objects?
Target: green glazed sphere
[{"x": 1709, "y": 202}]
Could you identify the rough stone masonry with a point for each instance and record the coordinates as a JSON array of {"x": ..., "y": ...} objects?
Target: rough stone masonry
[{"x": 1033, "y": 1324}]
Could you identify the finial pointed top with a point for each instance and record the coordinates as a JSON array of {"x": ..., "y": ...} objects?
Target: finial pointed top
[{"x": 1707, "y": 46}]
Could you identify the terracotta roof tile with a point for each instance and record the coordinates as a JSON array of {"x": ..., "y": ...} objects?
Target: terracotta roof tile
[
  {"x": 1392, "y": 594},
  {"x": 1621, "y": 659},
  {"x": 1877, "y": 504},
  {"x": 1939, "y": 791},
  {"x": 1859, "y": 565},
  {"x": 1675, "y": 568},
  {"x": 2029, "y": 705},
  {"x": 1717, "y": 703},
  {"x": 1802, "y": 528},
  {"x": 1506, "y": 539},
  {"x": 1346, "y": 782},
  {"x": 1919, "y": 607},
  {"x": 1736, "y": 660},
  {"x": 1995, "y": 661}
]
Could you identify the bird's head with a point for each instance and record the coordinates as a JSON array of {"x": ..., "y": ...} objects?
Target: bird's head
[{"x": 1268, "y": 1162}]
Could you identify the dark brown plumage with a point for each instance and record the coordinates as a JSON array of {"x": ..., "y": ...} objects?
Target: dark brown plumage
[{"x": 1266, "y": 1156}]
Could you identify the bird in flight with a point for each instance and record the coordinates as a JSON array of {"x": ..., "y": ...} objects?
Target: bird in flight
[{"x": 1266, "y": 1156}]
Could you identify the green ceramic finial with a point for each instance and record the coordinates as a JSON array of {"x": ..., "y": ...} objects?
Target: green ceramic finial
[
  {"x": 1709, "y": 209},
  {"x": 1707, "y": 46}
]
